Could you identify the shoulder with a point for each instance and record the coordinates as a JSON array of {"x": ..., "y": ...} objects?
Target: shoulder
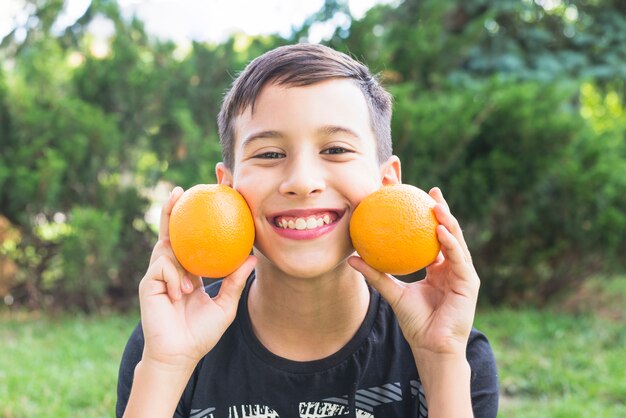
[
  {"x": 480, "y": 354},
  {"x": 131, "y": 356},
  {"x": 484, "y": 378}
]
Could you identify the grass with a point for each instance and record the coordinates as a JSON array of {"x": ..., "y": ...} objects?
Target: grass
[
  {"x": 551, "y": 363},
  {"x": 557, "y": 365},
  {"x": 566, "y": 360},
  {"x": 60, "y": 367}
]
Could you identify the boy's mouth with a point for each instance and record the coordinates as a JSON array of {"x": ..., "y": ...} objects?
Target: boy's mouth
[
  {"x": 306, "y": 221},
  {"x": 309, "y": 222}
]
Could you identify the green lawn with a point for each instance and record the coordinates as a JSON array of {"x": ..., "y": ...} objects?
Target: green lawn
[
  {"x": 551, "y": 364},
  {"x": 566, "y": 360},
  {"x": 558, "y": 365},
  {"x": 61, "y": 367}
]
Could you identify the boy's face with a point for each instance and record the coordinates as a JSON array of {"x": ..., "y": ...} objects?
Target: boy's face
[{"x": 303, "y": 162}]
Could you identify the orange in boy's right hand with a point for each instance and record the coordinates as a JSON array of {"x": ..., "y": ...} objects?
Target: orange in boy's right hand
[
  {"x": 394, "y": 229},
  {"x": 211, "y": 230}
]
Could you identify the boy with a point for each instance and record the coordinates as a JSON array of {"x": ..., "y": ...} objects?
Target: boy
[{"x": 296, "y": 331}]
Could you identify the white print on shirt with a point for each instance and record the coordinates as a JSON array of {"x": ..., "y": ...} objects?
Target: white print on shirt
[
  {"x": 328, "y": 409},
  {"x": 202, "y": 413},
  {"x": 252, "y": 411},
  {"x": 365, "y": 400}
]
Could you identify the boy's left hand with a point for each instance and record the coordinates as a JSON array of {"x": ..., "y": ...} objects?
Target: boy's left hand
[{"x": 435, "y": 314}]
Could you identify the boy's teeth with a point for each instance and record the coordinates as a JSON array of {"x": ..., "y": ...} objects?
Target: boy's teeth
[{"x": 304, "y": 223}]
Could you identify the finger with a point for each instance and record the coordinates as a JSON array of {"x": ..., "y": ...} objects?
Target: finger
[
  {"x": 451, "y": 248},
  {"x": 445, "y": 218},
  {"x": 436, "y": 194},
  {"x": 161, "y": 248},
  {"x": 388, "y": 286},
  {"x": 190, "y": 282},
  {"x": 173, "y": 277},
  {"x": 230, "y": 292},
  {"x": 162, "y": 277},
  {"x": 166, "y": 210},
  {"x": 466, "y": 279}
]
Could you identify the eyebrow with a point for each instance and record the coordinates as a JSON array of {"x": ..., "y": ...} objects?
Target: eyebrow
[
  {"x": 330, "y": 130},
  {"x": 326, "y": 130},
  {"x": 260, "y": 135}
]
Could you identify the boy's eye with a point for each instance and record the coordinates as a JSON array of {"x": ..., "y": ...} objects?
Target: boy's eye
[
  {"x": 336, "y": 150},
  {"x": 269, "y": 155}
]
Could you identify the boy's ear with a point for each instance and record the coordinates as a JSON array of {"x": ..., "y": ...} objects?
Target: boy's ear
[
  {"x": 390, "y": 171},
  {"x": 223, "y": 174}
]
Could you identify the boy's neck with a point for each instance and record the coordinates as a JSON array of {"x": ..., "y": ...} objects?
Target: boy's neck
[{"x": 307, "y": 319}]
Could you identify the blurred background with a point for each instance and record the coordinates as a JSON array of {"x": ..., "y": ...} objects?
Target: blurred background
[{"x": 515, "y": 108}]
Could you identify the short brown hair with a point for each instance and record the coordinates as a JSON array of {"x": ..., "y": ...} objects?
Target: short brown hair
[{"x": 300, "y": 65}]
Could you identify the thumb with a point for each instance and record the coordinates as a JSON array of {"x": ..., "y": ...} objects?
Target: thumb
[
  {"x": 388, "y": 286},
  {"x": 232, "y": 287}
]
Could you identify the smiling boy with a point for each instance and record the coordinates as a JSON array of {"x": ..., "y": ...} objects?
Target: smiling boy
[{"x": 304, "y": 328}]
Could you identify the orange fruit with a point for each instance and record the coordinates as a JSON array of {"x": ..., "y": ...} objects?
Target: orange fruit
[
  {"x": 394, "y": 229},
  {"x": 211, "y": 230}
]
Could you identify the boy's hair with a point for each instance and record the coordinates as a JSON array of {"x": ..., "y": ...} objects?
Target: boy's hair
[{"x": 301, "y": 65}]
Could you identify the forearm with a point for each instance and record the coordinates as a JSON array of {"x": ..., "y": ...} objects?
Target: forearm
[
  {"x": 156, "y": 390},
  {"x": 446, "y": 382}
]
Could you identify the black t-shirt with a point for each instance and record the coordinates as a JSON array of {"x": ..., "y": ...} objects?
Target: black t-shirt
[{"x": 374, "y": 375}]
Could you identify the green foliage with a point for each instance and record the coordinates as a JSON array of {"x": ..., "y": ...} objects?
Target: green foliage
[
  {"x": 530, "y": 180},
  {"x": 67, "y": 184},
  {"x": 89, "y": 256},
  {"x": 514, "y": 108},
  {"x": 492, "y": 104}
]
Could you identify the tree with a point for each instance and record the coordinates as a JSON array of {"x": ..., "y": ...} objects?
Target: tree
[
  {"x": 514, "y": 107},
  {"x": 87, "y": 137},
  {"x": 488, "y": 105},
  {"x": 68, "y": 181}
]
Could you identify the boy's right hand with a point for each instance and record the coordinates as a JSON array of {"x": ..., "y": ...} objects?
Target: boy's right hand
[{"x": 181, "y": 323}]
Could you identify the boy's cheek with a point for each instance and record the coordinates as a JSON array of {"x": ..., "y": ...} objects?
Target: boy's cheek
[{"x": 247, "y": 191}]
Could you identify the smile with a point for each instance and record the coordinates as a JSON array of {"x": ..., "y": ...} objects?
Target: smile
[
  {"x": 315, "y": 221},
  {"x": 305, "y": 224}
]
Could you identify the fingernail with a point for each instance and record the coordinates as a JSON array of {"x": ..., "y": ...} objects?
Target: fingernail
[{"x": 187, "y": 283}]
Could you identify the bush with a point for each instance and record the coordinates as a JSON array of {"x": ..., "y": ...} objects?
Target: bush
[
  {"x": 69, "y": 190},
  {"x": 532, "y": 164},
  {"x": 89, "y": 256},
  {"x": 528, "y": 177}
]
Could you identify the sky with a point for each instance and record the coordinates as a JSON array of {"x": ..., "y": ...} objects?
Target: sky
[{"x": 200, "y": 20}]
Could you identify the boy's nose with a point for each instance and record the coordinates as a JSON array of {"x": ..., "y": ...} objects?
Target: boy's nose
[{"x": 303, "y": 179}]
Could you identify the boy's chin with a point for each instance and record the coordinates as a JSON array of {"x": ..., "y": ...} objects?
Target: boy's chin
[
  {"x": 306, "y": 263},
  {"x": 311, "y": 269}
]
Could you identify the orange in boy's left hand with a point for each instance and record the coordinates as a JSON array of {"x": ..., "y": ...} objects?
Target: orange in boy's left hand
[
  {"x": 211, "y": 230},
  {"x": 394, "y": 229}
]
